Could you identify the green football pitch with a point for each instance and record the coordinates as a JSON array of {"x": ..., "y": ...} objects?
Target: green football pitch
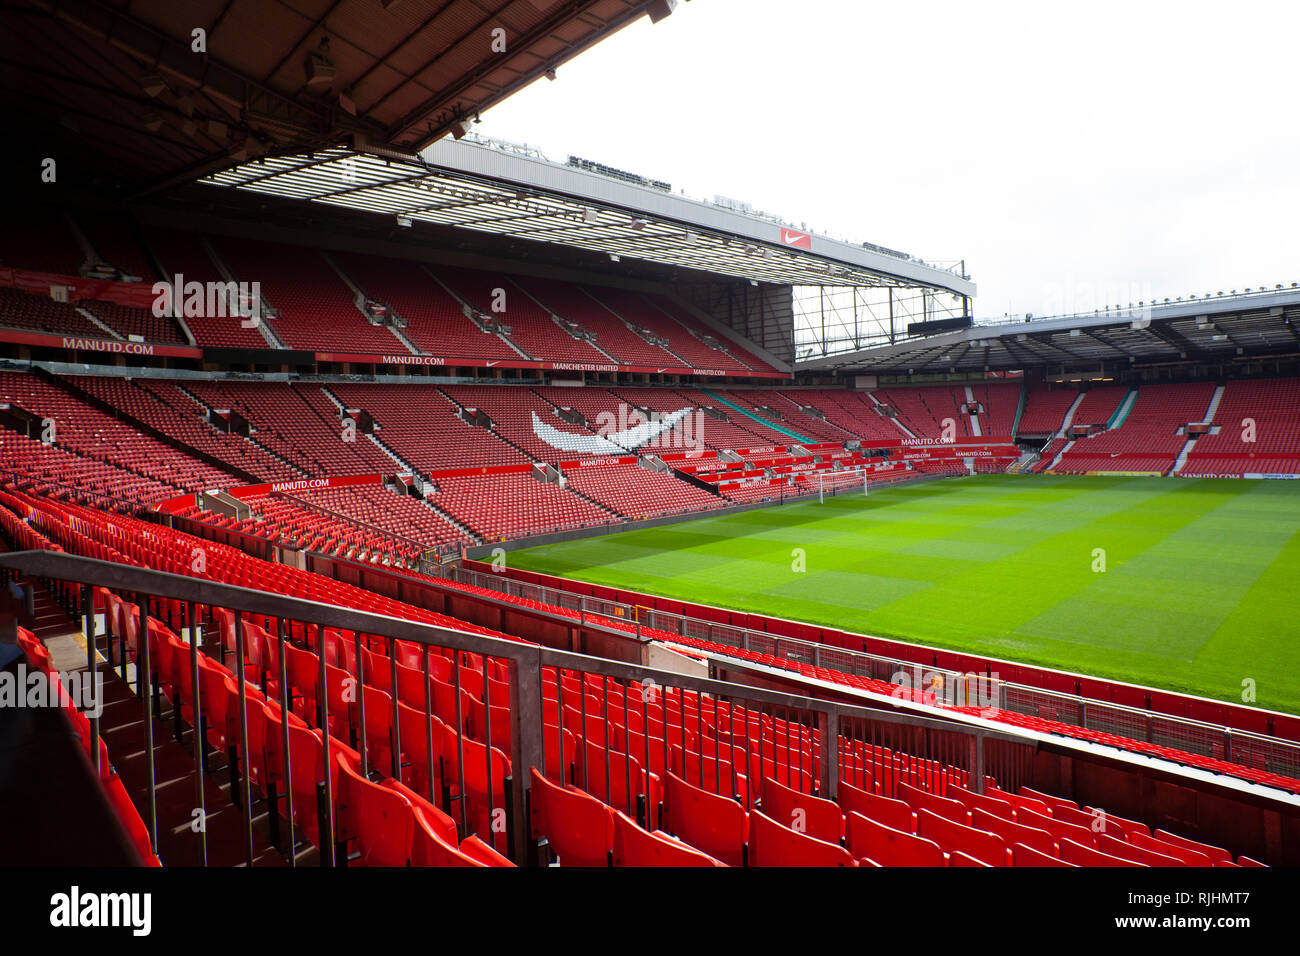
[{"x": 1185, "y": 584}]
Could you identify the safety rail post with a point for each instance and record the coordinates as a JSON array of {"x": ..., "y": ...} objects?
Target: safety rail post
[
  {"x": 527, "y": 746},
  {"x": 92, "y": 666},
  {"x": 828, "y": 726},
  {"x": 325, "y": 816},
  {"x": 360, "y": 678},
  {"x": 245, "y": 782},
  {"x": 285, "y": 710},
  {"x": 196, "y": 738},
  {"x": 143, "y": 683}
]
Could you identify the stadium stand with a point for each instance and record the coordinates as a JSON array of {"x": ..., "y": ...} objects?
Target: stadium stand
[
  {"x": 435, "y": 321},
  {"x": 1148, "y": 439},
  {"x": 314, "y": 307}
]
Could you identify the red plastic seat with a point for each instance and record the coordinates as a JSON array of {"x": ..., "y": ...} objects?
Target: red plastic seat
[
  {"x": 1083, "y": 855},
  {"x": 478, "y": 851},
  {"x": 918, "y": 800},
  {"x": 821, "y": 819},
  {"x": 982, "y": 801},
  {"x": 578, "y": 827},
  {"x": 380, "y": 820},
  {"x": 981, "y": 844},
  {"x": 771, "y": 844},
  {"x": 1215, "y": 853},
  {"x": 892, "y": 813},
  {"x": 1012, "y": 832},
  {"x": 1132, "y": 851},
  {"x": 1022, "y": 855},
  {"x": 712, "y": 824},
  {"x": 634, "y": 846},
  {"x": 889, "y": 847},
  {"x": 1057, "y": 828}
]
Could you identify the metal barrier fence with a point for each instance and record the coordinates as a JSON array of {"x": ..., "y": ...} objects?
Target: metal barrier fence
[
  {"x": 617, "y": 728},
  {"x": 1255, "y": 751}
]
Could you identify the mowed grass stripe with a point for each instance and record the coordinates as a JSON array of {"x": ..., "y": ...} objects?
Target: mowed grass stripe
[{"x": 1200, "y": 575}]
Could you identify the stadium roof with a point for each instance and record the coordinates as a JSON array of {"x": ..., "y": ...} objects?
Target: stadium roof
[
  {"x": 1215, "y": 330},
  {"x": 122, "y": 78},
  {"x": 483, "y": 187}
]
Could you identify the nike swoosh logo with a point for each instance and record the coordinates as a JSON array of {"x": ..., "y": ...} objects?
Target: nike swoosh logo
[
  {"x": 791, "y": 240},
  {"x": 491, "y": 364},
  {"x": 615, "y": 444}
]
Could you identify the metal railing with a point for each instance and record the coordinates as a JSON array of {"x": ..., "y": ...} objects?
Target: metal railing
[
  {"x": 706, "y": 728},
  {"x": 1251, "y": 750}
]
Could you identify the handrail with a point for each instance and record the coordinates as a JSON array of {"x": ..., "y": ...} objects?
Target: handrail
[
  {"x": 527, "y": 661},
  {"x": 1200, "y": 737},
  {"x": 938, "y": 743}
]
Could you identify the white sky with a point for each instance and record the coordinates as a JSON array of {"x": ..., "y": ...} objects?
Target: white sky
[{"x": 1073, "y": 155}]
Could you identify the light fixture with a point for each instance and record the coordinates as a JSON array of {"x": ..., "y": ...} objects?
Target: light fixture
[
  {"x": 404, "y": 221},
  {"x": 550, "y": 73}
]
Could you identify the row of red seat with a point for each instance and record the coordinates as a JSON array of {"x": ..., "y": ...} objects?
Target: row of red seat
[{"x": 39, "y": 657}]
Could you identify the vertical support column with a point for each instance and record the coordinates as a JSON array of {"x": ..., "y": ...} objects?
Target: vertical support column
[
  {"x": 528, "y": 749},
  {"x": 144, "y": 684},
  {"x": 828, "y": 726}
]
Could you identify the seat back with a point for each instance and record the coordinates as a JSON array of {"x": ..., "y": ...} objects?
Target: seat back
[
  {"x": 918, "y": 800},
  {"x": 634, "y": 846},
  {"x": 889, "y": 847},
  {"x": 712, "y": 824},
  {"x": 771, "y": 844},
  {"x": 1012, "y": 832},
  {"x": 802, "y": 813},
  {"x": 379, "y": 819},
  {"x": 981, "y": 844},
  {"x": 892, "y": 813},
  {"x": 1022, "y": 855},
  {"x": 578, "y": 827},
  {"x": 1082, "y": 855}
]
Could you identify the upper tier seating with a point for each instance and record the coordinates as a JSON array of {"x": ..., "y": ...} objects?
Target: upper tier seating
[
  {"x": 183, "y": 254},
  {"x": 315, "y": 307},
  {"x": 645, "y": 314},
  {"x": 1000, "y": 401},
  {"x": 612, "y": 334},
  {"x": 1099, "y": 405},
  {"x": 792, "y": 415},
  {"x": 24, "y": 310},
  {"x": 683, "y": 317},
  {"x": 129, "y": 320},
  {"x": 435, "y": 321},
  {"x": 115, "y": 243},
  {"x": 530, "y": 325}
]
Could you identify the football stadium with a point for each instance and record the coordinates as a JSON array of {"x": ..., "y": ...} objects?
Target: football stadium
[{"x": 379, "y": 492}]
